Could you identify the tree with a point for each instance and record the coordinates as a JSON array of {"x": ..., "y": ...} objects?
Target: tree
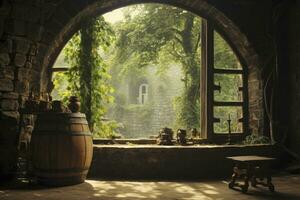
[{"x": 156, "y": 34}]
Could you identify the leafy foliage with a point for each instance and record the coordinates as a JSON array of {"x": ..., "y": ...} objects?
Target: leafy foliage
[
  {"x": 101, "y": 37},
  {"x": 150, "y": 34},
  {"x": 256, "y": 139},
  {"x": 158, "y": 34},
  {"x": 224, "y": 58}
]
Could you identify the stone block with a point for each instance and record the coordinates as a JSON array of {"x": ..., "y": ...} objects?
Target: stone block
[
  {"x": 22, "y": 87},
  {"x": 9, "y": 105},
  {"x": 6, "y": 46},
  {"x": 22, "y": 46},
  {"x": 42, "y": 49},
  {"x": 139, "y": 161},
  {"x": 22, "y": 74},
  {"x": 12, "y": 117},
  {"x": 48, "y": 8},
  {"x": 28, "y": 65},
  {"x": 47, "y": 37},
  {"x": 19, "y": 11},
  {"x": 33, "y": 50},
  {"x": 6, "y": 85},
  {"x": 61, "y": 16},
  {"x": 54, "y": 26},
  {"x": 70, "y": 8},
  {"x": 20, "y": 60},
  {"x": 10, "y": 95},
  {"x": 4, "y": 59},
  {"x": 34, "y": 32},
  {"x": 34, "y": 14},
  {"x": 7, "y": 72},
  {"x": 34, "y": 76},
  {"x": 15, "y": 27},
  {"x": 36, "y": 63},
  {"x": 25, "y": 12}
]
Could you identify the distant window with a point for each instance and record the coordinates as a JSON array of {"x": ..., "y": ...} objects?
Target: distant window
[{"x": 143, "y": 94}]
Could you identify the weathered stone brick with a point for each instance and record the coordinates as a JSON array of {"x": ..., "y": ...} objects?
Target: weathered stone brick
[
  {"x": 15, "y": 27},
  {"x": 28, "y": 65},
  {"x": 61, "y": 16},
  {"x": 13, "y": 115},
  {"x": 34, "y": 14},
  {"x": 22, "y": 74},
  {"x": 34, "y": 76},
  {"x": 6, "y": 85},
  {"x": 6, "y": 46},
  {"x": 4, "y": 59},
  {"x": 7, "y": 72},
  {"x": 9, "y": 105},
  {"x": 34, "y": 32},
  {"x": 32, "y": 50},
  {"x": 47, "y": 37},
  {"x": 19, "y": 11},
  {"x": 22, "y": 87},
  {"x": 42, "y": 49},
  {"x": 20, "y": 60},
  {"x": 25, "y": 12},
  {"x": 10, "y": 95},
  {"x": 22, "y": 46},
  {"x": 69, "y": 8}
]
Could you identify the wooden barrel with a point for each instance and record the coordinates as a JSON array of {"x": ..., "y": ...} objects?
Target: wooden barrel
[{"x": 61, "y": 148}]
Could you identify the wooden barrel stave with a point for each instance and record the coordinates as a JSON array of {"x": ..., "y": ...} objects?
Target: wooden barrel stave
[{"x": 62, "y": 154}]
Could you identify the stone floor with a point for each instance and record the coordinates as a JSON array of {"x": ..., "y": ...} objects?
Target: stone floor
[{"x": 287, "y": 187}]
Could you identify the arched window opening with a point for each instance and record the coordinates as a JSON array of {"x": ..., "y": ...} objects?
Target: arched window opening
[
  {"x": 228, "y": 77},
  {"x": 196, "y": 82},
  {"x": 224, "y": 89},
  {"x": 143, "y": 93}
]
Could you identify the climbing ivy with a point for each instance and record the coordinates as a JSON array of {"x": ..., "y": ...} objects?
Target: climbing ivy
[{"x": 88, "y": 76}]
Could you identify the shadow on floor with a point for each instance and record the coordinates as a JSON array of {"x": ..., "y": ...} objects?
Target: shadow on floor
[{"x": 287, "y": 188}]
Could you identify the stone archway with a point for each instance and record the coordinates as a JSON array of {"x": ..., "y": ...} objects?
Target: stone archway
[
  {"x": 231, "y": 33},
  {"x": 237, "y": 40},
  {"x": 32, "y": 33}
]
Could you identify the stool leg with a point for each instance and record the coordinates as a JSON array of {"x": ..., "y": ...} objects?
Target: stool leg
[
  {"x": 253, "y": 181},
  {"x": 233, "y": 179},
  {"x": 270, "y": 184},
  {"x": 246, "y": 184},
  {"x": 248, "y": 176}
]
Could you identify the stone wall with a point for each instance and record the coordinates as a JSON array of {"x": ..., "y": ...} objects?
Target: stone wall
[
  {"x": 256, "y": 27},
  {"x": 32, "y": 33},
  {"x": 171, "y": 162},
  {"x": 18, "y": 48}
]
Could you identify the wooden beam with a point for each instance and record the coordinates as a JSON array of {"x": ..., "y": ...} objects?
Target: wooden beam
[
  {"x": 224, "y": 103},
  {"x": 228, "y": 71},
  {"x": 60, "y": 69},
  {"x": 207, "y": 79}
]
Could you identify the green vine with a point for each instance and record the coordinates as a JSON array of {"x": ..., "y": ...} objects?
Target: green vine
[{"x": 88, "y": 76}]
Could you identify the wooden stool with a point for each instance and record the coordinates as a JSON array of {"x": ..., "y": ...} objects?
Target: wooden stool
[{"x": 251, "y": 168}]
